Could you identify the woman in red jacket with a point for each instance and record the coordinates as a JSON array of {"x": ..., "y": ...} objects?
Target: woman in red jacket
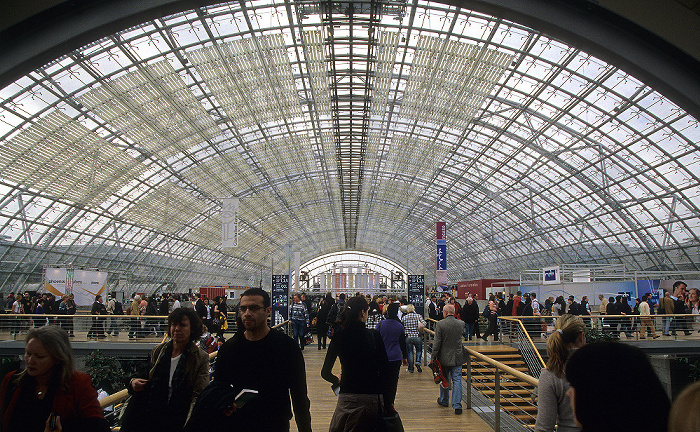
[{"x": 49, "y": 394}]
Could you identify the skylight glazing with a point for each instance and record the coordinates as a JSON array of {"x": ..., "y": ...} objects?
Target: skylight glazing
[{"x": 340, "y": 129}]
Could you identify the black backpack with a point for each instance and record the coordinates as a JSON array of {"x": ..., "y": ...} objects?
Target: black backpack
[
  {"x": 118, "y": 309},
  {"x": 333, "y": 313}
]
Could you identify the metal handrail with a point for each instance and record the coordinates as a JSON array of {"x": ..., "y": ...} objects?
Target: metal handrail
[
  {"x": 527, "y": 335},
  {"x": 514, "y": 372},
  {"x": 500, "y": 371},
  {"x": 122, "y": 394}
]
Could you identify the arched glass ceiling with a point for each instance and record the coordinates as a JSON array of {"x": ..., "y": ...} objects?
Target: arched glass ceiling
[
  {"x": 352, "y": 262},
  {"x": 340, "y": 129}
]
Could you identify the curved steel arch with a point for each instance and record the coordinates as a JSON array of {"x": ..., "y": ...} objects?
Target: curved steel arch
[{"x": 511, "y": 124}]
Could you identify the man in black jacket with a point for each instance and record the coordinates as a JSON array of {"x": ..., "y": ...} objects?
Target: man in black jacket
[
  {"x": 678, "y": 297},
  {"x": 623, "y": 308},
  {"x": 432, "y": 308},
  {"x": 269, "y": 362},
  {"x": 98, "y": 308},
  {"x": 574, "y": 308}
]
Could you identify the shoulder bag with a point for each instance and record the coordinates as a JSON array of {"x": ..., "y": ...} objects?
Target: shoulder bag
[{"x": 388, "y": 422}]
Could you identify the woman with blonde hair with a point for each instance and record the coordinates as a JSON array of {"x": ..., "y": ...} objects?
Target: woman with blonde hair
[
  {"x": 553, "y": 405},
  {"x": 693, "y": 305},
  {"x": 685, "y": 416}
]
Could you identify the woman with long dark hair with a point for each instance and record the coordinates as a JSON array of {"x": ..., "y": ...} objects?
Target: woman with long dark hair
[
  {"x": 364, "y": 367},
  {"x": 178, "y": 371},
  {"x": 374, "y": 315}
]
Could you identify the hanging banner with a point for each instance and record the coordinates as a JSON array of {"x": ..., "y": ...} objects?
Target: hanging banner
[
  {"x": 56, "y": 281},
  {"x": 551, "y": 275},
  {"x": 416, "y": 292},
  {"x": 229, "y": 222},
  {"x": 87, "y": 284},
  {"x": 441, "y": 256},
  {"x": 280, "y": 299}
]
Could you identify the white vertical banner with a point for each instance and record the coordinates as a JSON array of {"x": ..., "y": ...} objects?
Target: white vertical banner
[
  {"x": 56, "y": 281},
  {"x": 87, "y": 284},
  {"x": 229, "y": 222},
  {"x": 322, "y": 282},
  {"x": 295, "y": 265}
]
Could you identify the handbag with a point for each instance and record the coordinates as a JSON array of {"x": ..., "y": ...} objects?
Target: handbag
[
  {"x": 329, "y": 332},
  {"x": 224, "y": 324},
  {"x": 132, "y": 411},
  {"x": 438, "y": 374},
  {"x": 388, "y": 422}
]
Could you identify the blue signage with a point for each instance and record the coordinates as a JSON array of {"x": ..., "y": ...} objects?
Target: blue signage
[{"x": 441, "y": 257}]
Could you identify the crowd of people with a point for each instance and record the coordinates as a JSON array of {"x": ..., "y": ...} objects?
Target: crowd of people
[{"x": 173, "y": 391}]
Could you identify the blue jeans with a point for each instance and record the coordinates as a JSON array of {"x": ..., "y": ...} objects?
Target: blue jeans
[
  {"x": 298, "y": 332},
  {"x": 469, "y": 329},
  {"x": 666, "y": 322},
  {"x": 454, "y": 374},
  {"x": 113, "y": 326},
  {"x": 411, "y": 344}
]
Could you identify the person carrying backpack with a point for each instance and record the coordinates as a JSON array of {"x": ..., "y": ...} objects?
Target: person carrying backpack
[{"x": 333, "y": 315}]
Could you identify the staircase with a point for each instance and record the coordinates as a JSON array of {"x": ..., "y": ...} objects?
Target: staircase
[{"x": 517, "y": 397}]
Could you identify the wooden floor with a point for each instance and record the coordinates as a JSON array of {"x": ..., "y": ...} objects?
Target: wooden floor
[{"x": 416, "y": 401}]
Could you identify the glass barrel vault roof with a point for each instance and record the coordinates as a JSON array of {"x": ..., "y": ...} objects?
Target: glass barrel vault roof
[{"x": 351, "y": 127}]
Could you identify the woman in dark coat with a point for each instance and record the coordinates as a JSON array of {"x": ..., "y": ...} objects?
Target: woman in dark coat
[
  {"x": 162, "y": 403},
  {"x": 321, "y": 325},
  {"x": 364, "y": 370}
]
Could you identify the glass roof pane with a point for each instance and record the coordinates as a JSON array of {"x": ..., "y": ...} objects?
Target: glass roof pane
[{"x": 340, "y": 134}]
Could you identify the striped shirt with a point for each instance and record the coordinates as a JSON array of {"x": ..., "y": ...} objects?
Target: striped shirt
[
  {"x": 299, "y": 313},
  {"x": 410, "y": 323}
]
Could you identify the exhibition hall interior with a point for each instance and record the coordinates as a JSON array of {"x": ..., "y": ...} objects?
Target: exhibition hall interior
[{"x": 386, "y": 148}]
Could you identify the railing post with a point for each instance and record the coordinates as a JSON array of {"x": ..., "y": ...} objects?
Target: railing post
[
  {"x": 497, "y": 408},
  {"x": 510, "y": 332},
  {"x": 469, "y": 381},
  {"x": 425, "y": 348}
]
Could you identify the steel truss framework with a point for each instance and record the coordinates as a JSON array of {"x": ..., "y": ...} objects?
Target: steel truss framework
[{"x": 341, "y": 127}]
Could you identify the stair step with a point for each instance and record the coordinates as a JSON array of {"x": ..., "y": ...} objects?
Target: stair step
[
  {"x": 506, "y": 393},
  {"x": 519, "y": 409},
  {"x": 514, "y": 355},
  {"x": 489, "y": 378},
  {"x": 489, "y": 371},
  {"x": 489, "y": 385},
  {"x": 505, "y": 362}
]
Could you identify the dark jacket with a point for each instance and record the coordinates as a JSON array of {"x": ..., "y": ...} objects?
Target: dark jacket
[
  {"x": 98, "y": 309},
  {"x": 363, "y": 359},
  {"x": 156, "y": 411},
  {"x": 164, "y": 307},
  {"x": 470, "y": 313}
]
